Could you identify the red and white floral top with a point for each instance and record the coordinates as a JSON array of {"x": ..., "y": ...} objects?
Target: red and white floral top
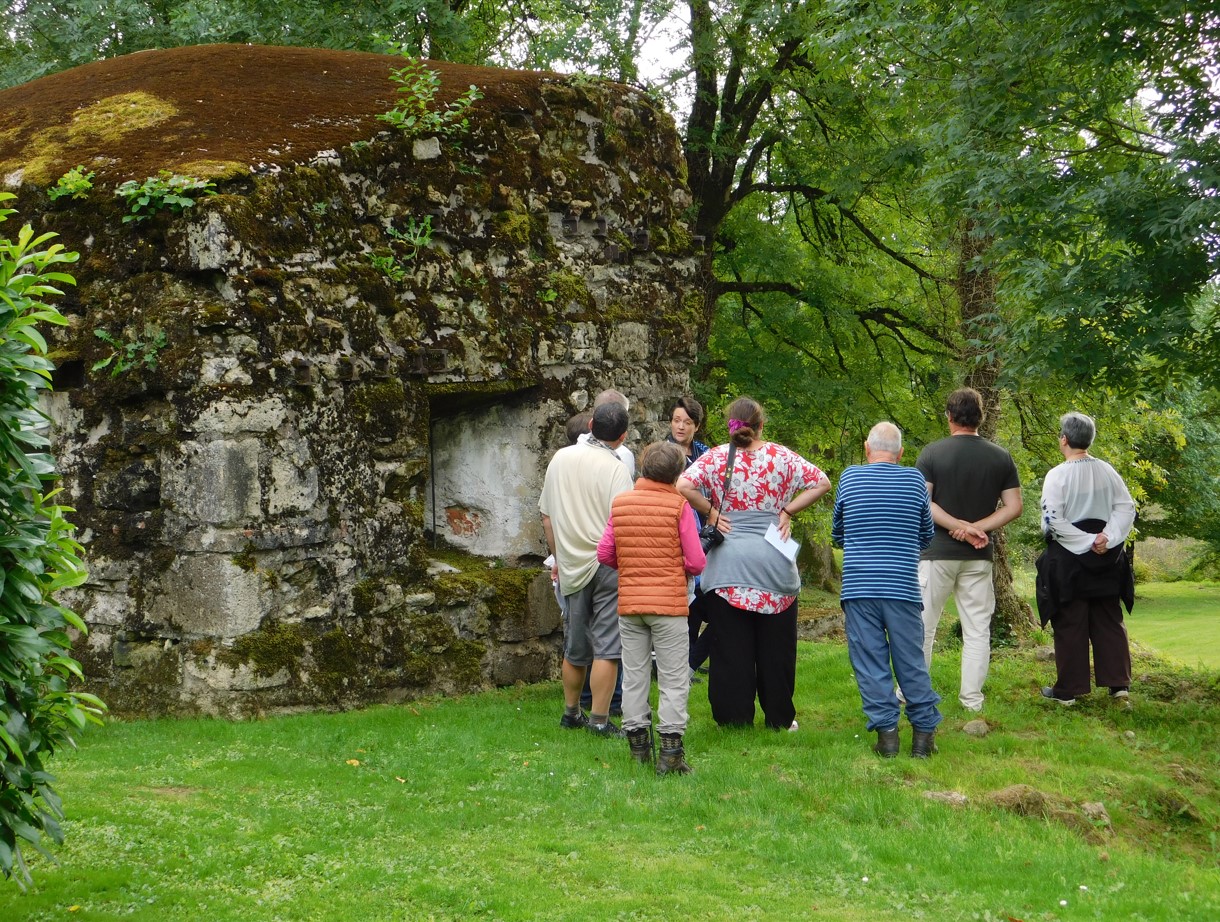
[{"x": 765, "y": 479}]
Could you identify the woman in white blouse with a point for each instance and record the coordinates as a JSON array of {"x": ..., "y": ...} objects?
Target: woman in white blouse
[{"x": 1087, "y": 515}]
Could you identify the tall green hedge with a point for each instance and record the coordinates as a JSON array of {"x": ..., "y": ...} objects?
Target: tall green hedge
[{"x": 38, "y": 556}]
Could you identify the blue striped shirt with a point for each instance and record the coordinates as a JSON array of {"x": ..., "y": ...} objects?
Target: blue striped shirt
[{"x": 882, "y": 520}]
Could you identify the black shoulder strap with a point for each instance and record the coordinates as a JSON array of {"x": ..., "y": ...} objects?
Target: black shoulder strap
[{"x": 728, "y": 476}]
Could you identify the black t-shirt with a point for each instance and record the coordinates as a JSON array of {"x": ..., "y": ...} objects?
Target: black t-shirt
[{"x": 968, "y": 473}]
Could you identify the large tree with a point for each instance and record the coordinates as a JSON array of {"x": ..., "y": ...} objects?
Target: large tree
[{"x": 892, "y": 196}]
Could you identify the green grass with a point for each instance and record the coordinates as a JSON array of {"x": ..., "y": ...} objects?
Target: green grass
[
  {"x": 483, "y": 808},
  {"x": 1180, "y": 620}
]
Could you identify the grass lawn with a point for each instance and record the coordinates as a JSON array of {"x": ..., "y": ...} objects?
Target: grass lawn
[
  {"x": 1180, "y": 620},
  {"x": 483, "y": 808}
]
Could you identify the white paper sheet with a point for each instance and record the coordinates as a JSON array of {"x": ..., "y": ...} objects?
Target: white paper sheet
[{"x": 787, "y": 548}]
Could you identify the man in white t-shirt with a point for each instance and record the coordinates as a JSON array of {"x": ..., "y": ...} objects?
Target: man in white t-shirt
[{"x": 581, "y": 481}]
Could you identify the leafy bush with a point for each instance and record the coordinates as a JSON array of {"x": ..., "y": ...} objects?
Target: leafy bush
[
  {"x": 165, "y": 191},
  {"x": 75, "y": 183},
  {"x": 38, "y": 557},
  {"x": 418, "y": 85}
]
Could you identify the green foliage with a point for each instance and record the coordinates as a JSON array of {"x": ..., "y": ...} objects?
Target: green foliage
[
  {"x": 134, "y": 352},
  {"x": 388, "y": 265},
  {"x": 416, "y": 114},
  {"x": 75, "y": 183},
  {"x": 416, "y": 237},
  {"x": 44, "y": 36},
  {"x": 38, "y": 557},
  {"x": 165, "y": 191}
]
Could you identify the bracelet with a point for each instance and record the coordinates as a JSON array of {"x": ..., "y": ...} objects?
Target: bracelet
[{"x": 787, "y": 513}]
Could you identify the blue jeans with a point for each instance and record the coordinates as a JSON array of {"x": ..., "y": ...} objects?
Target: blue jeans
[{"x": 881, "y": 632}]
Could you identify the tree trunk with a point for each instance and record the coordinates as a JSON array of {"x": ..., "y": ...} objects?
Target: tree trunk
[
  {"x": 816, "y": 561},
  {"x": 976, "y": 284}
]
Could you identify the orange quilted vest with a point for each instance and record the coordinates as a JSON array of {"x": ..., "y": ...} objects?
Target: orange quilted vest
[{"x": 651, "y": 578}]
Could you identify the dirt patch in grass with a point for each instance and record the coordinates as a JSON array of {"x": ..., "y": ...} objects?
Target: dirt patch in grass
[
  {"x": 1025, "y": 800},
  {"x": 172, "y": 791}
]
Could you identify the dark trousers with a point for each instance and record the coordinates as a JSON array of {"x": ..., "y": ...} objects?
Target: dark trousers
[
  {"x": 700, "y": 644},
  {"x": 1078, "y": 624},
  {"x": 752, "y": 655}
]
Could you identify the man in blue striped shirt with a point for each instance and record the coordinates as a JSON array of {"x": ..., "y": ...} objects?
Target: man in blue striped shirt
[{"x": 882, "y": 520}]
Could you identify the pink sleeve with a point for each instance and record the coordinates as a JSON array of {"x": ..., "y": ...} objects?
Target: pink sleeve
[
  {"x": 693, "y": 558},
  {"x": 607, "y": 553}
]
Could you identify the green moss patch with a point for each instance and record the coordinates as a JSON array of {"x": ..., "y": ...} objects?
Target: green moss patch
[{"x": 272, "y": 647}]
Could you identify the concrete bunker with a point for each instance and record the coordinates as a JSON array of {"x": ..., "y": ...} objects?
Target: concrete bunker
[{"x": 256, "y": 505}]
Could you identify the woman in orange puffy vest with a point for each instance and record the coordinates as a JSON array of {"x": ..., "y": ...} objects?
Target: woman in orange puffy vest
[{"x": 653, "y": 541}]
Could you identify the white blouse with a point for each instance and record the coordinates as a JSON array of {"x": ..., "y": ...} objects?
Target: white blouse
[{"x": 1087, "y": 488}]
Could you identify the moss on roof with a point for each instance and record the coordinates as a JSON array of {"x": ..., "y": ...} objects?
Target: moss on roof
[{"x": 219, "y": 109}]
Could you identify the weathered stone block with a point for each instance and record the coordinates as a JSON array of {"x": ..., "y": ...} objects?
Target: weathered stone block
[
  {"x": 630, "y": 342},
  {"x": 294, "y": 481},
  {"x": 524, "y": 662},
  {"x": 215, "y": 482},
  {"x": 234, "y": 417},
  {"x": 241, "y": 678},
  {"x": 207, "y": 595},
  {"x": 540, "y": 616}
]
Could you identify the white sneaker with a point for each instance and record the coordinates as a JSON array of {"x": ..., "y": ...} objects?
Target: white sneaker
[{"x": 795, "y": 726}]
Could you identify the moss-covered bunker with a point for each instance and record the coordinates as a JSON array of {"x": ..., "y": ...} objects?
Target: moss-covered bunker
[{"x": 371, "y": 345}]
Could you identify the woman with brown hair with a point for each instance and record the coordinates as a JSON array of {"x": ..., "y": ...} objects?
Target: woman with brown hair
[{"x": 750, "y": 587}]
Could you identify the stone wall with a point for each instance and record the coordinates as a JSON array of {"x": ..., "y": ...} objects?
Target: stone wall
[{"x": 322, "y": 490}]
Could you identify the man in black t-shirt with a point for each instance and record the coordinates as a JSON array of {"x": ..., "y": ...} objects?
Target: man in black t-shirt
[{"x": 975, "y": 489}]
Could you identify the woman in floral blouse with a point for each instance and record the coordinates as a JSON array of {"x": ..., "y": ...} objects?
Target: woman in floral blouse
[{"x": 750, "y": 586}]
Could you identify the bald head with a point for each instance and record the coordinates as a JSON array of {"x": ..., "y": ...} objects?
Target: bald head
[
  {"x": 612, "y": 396},
  {"x": 884, "y": 443}
]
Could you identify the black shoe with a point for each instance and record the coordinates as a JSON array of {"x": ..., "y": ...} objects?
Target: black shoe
[
  {"x": 577, "y": 721},
  {"x": 923, "y": 744},
  {"x": 608, "y": 729},
  {"x": 887, "y": 743},
  {"x": 616, "y": 710},
  {"x": 1048, "y": 692}
]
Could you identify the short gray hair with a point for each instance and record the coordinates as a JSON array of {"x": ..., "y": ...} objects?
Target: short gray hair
[
  {"x": 885, "y": 436},
  {"x": 1078, "y": 429}
]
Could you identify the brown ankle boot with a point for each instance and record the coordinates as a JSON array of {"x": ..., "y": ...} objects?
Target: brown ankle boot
[
  {"x": 641, "y": 745},
  {"x": 672, "y": 760}
]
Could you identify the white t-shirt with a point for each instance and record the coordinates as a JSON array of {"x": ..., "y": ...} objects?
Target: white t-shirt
[
  {"x": 625, "y": 454},
  {"x": 581, "y": 481}
]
